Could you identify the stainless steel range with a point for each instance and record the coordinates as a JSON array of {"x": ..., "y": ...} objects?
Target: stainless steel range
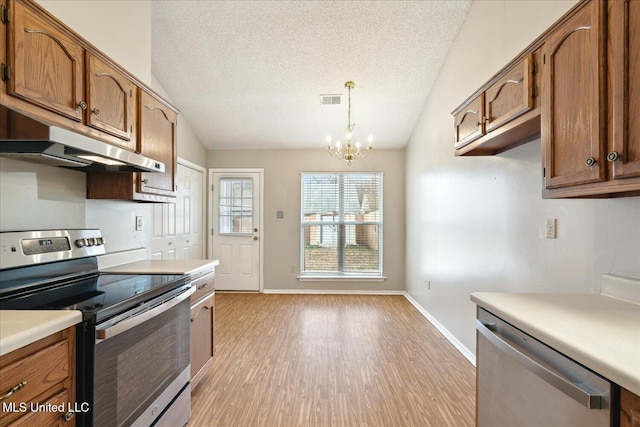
[{"x": 133, "y": 344}]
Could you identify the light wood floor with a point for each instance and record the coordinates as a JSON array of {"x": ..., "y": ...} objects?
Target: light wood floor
[{"x": 331, "y": 360}]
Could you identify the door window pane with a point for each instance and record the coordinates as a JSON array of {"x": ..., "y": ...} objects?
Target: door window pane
[{"x": 235, "y": 206}]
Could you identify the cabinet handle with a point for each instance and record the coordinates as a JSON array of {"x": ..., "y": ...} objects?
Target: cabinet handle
[
  {"x": 590, "y": 161},
  {"x": 203, "y": 286},
  {"x": 14, "y": 389},
  {"x": 613, "y": 156},
  {"x": 145, "y": 181},
  {"x": 82, "y": 105},
  {"x": 67, "y": 416},
  {"x": 95, "y": 111}
]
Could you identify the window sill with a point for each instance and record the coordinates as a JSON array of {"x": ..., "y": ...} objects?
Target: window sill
[{"x": 342, "y": 278}]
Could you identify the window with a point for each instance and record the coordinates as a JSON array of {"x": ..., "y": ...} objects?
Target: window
[
  {"x": 341, "y": 224},
  {"x": 235, "y": 206}
]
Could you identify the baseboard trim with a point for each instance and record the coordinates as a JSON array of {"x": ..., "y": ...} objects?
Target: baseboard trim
[
  {"x": 330, "y": 292},
  {"x": 444, "y": 331}
]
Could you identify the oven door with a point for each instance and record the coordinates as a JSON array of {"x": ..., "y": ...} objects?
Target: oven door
[{"x": 142, "y": 364}]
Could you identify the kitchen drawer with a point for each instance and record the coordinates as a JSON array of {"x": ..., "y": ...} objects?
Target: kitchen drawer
[
  {"x": 203, "y": 285},
  {"x": 50, "y": 417},
  {"x": 37, "y": 372}
]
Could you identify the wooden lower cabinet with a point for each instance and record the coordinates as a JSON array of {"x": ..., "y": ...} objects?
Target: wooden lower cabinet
[
  {"x": 629, "y": 409},
  {"x": 202, "y": 336},
  {"x": 42, "y": 377}
]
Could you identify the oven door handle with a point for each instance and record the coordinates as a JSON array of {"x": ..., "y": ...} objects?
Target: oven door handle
[
  {"x": 590, "y": 399},
  {"x": 131, "y": 322}
]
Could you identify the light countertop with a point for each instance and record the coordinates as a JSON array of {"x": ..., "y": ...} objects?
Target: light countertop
[
  {"x": 164, "y": 266},
  {"x": 599, "y": 331},
  {"x": 19, "y": 328}
]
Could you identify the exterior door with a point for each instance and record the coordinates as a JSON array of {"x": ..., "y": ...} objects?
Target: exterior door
[
  {"x": 236, "y": 228},
  {"x": 176, "y": 229}
]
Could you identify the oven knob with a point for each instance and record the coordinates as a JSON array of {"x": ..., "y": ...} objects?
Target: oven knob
[
  {"x": 91, "y": 241},
  {"x": 81, "y": 243},
  {"x": 99, "y": 241}
]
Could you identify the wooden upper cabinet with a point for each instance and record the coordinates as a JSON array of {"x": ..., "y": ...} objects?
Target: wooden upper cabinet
[
  {"x": 624, "y": 155},
  {"x": 591, "y": 102},
  {"x": 469, "y": 121},
  {"x": 502, "y": 114},
  {"x": 573, "y": 107},
  {"x": 55, "y": 76},
  {"x": 111, "y": 99},
  {"x": 46, "y": 63},
  {"x": 158, "y": 140},
  {"x": 511, "y": 95}
]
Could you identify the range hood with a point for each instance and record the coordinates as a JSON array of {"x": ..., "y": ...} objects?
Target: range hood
[{"x": 24, "y": 138}]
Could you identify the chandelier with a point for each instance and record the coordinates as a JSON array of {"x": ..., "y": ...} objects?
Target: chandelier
[{"x": 349, "y": 151}]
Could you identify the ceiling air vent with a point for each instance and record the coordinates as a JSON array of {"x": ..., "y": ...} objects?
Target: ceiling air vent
[{"x": 330, "y": 99}]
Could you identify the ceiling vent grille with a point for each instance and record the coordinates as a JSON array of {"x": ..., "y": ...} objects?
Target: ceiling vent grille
[{"x": 330, "y": 99}]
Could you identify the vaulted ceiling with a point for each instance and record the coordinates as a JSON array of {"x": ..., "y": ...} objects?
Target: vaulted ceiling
[{"x": 249, "y": 74}]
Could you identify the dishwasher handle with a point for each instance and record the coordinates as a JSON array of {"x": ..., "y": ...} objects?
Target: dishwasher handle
[{"x": 588, "y": 398}]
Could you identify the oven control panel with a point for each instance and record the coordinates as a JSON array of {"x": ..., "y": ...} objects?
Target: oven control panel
[{"x": 22, "y": 248}]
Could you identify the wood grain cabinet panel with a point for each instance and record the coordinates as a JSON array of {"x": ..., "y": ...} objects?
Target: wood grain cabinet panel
[
  {"x": 158, "y": 140},
  {"x": 46, "y": 63},
  {"x": 573, "y": 116},
  {"x": 202, "y": 337},
  {"x": 111, "y": 101},
  {"x": 629, "y": 409},
  {"x": 591, "y": 102},
  {"x": 40, "y": 373},
  {"x": 502, "y": 114},
  {"x": 469, "y": 122},
  {"x": 624, "y": 155},
  {"x": 511, "y": 95}
]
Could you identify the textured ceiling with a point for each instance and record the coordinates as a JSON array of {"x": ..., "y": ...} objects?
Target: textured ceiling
[{"x": 248, "y": 74}]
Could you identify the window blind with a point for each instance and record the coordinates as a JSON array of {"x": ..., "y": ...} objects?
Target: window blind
[{"x": 341, "y": 224}]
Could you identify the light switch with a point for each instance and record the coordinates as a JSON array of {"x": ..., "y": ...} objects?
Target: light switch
[
  {"x": 551, "y": 228},
  {"x": 138, "y": 223},
  {"x": 279, "y": 214}
]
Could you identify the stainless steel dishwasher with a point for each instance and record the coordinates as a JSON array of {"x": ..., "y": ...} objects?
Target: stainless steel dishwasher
[{"x": 523, "y": 382}]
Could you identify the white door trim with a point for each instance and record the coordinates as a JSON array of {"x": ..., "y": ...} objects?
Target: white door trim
[{"x": 260, "y": 172}]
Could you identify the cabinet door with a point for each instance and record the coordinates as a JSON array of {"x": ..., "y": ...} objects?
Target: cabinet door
[
  {"x": 573, "y": 122},
  {"x": 157, "y": 139},
  {"x": 47, "y": 64},
  {"x": 629, "y": 409},
  {"x": 625, "y": 86},
  {"x": 202, "y": 336},
  {"x": 51, "y": 418},
  {"x": 110, "y": 100},
  {"x": 511, "y": 96},
  {"x": 469, "y": 122}
]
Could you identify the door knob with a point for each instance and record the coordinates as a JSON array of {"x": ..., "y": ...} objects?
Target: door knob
[
  {"x": 255, "y": 237},
  {"x": 255, "y": 230}
]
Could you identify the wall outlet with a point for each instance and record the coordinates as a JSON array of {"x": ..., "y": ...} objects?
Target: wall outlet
[
  {"x": 551, "y": 228},
  {"x": 292, "y": 269},
  {"x": 138, "y": 223}
]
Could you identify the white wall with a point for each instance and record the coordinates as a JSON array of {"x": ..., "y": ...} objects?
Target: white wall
[
  {"x": 477, "y": 223},
  {"x": 34, "y": 196},
  {"x": 281, "y": 237}
]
